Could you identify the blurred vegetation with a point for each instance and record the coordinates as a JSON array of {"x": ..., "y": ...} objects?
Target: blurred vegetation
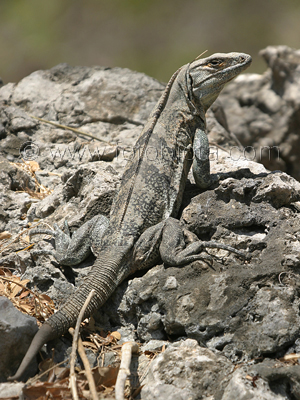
[{"x": 152, "y": 36}]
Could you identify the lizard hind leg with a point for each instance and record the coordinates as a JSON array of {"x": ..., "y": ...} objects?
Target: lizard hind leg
[
  {"x": 73, "y": 250},
  {"x": 146, "y": 249},
  {"x": 174, "y": 251}
]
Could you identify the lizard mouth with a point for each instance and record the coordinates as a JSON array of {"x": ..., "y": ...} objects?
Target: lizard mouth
[{"x": 244, "y": 62}]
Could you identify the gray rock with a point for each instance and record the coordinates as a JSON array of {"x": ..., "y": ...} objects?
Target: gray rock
[
  {"x": 49, "y": 279},
  {"x": 282, "y": 379},
  {"x": 9, "y": 390},
  {"x": 71, "y": 96},
  {"x": 186, "y": 371},
  {"x": 84, "y": 193},
  {"x": 242, "y": 387},
  {"x": 154, "y": 345},
  {"x": 263, "y": 110},
  {"x": 171, "y": 283},
  {"x": 127, "y": 333},
  {"x": 238, "y": 310},
  {"x": 19, "y": 261},
  {"x": 17, "y": 331},
  {"x": 14, "y": 178}
]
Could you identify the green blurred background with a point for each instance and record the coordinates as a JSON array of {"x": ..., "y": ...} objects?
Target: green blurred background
[{"x": 152, "y": 36}]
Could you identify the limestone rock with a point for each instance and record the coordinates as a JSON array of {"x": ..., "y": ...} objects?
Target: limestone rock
[
  {"x": 17, "y": 331},
  {"x": 263, "y": 110},
  {"x": 213, "y": 316},
  {"x": 182, "y": 362}
]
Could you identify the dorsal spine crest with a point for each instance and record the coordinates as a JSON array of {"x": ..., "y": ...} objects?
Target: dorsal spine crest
[{"x": 159, "y": 109}]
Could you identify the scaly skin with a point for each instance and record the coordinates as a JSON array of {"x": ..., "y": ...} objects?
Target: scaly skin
[{"x": 141, "y": 227}]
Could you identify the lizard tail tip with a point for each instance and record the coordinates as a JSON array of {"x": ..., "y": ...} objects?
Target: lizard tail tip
[{"x": 43, "y": 335}]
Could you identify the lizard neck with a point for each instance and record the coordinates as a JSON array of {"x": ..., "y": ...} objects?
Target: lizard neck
[{"x": 181, "y": 98}]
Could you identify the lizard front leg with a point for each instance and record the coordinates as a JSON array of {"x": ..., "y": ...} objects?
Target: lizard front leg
[
  {"x": 73, "y": 250},
  {"x": 201, "y": 165}
]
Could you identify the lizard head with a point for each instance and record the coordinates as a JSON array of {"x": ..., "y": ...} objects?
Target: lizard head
[{"x": 206, "y": 77}]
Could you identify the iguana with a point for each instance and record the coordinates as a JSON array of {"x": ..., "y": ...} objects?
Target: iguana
[{"x": 142, "y": 228}]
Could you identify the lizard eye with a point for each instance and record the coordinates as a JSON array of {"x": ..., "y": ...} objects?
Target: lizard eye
[{"x": 214, "y": 63}]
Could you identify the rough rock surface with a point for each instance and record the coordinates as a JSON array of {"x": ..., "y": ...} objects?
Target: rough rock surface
[
  {"x": 210, "y": 375},
  {"x": 206, "y": 372},
  {"x": 232, "y": 318},
  {"x": 263, "y": 111},
  {"x": 16, "y": 332},
  {"x": 10, "y": 390}
]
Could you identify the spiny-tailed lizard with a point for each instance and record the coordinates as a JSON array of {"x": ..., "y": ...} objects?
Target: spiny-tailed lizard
[{"x": 142, "y": 228}]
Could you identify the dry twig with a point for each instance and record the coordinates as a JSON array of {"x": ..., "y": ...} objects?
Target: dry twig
[
  {"x": 87, "y": 368},
  {"x": 74, "y": 346},
  {"x": 290, "y": 357},
  {"x": 38, "y": 377},
  {"x": 127, "y": 350},
  {"x": 78, "y": 131}
]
